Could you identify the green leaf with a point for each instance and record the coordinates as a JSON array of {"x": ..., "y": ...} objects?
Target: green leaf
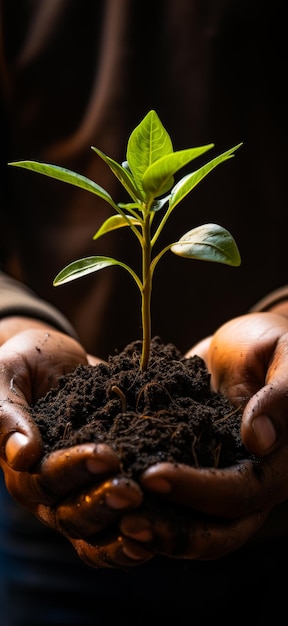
[
  {"x": 209, "y": 242},
  {"x": 147, "y": 176},
  {"x": 67, "y": 176},
  {"x": 123, "y": 174},
  {"x": 88, "y": 265},
  {"x": 113, "y": 223},
  {"x": 187, "y": 183},
  {"x": 158, "y": 178},
  {"x": 148, "y": 142}
]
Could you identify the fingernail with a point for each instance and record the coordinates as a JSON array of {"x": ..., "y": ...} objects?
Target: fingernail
[
  {"x": 117, "y": 501},
  {"x": 101, "y": 460},
  {"x": 264, "y": 431},
  {"x": 138, "y": 529},
  {"x": 97, "y": 466},
  {"x": 136, "y": 553},
  {"x": 154, "y": 483},
  {"x": 14, "y": 444},
  {"x": 122, "y": 498}
]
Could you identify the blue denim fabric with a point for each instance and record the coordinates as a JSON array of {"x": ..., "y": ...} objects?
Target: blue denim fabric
[{"x": 44, "y": 583}]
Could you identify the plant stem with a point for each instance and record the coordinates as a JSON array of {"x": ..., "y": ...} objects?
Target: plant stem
[{"x": 146, "y": 293}]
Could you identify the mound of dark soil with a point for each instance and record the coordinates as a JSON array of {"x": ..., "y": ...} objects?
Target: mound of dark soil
[{"x": 167, "y": 413}]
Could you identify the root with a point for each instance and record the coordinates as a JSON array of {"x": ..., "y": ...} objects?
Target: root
[{"x": 121, "y": 395}]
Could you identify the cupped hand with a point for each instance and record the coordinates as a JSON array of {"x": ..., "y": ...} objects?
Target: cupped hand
[
  {"x": 248, "y": 361},
  {"x": 216, "y": 511},
  {"x": 213, "y": 512},
  {"x": 31, "y": 363},
  {"x": 80, "y": 493},
  {"x": 76, "y": 491}
]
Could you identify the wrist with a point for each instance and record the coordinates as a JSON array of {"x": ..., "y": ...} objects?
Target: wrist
[{"x": 14, "y": 324}]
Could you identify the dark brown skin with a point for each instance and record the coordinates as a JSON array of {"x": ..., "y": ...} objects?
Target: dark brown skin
[
  {"x": 79, "y": 491},
  {"x": 247, "y": 358},
  {"x": 46, "y": 489}
]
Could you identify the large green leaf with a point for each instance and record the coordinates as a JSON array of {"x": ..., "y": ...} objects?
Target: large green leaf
[
  {"x": 67, "y": 176},
  {"x": 209, "y": 242},
  {"x": 148, "y": 142},
  {"x": 158, "y": 178}
]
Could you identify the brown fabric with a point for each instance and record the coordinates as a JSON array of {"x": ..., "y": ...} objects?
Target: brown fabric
[
  {"x": 76, "y": 74},
  {"x": 272, "y": 300},
  {"x": 16, "y": 299}
]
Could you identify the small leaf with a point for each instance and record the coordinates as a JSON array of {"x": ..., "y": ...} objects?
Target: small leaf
[
  {"x": 113, "y": 223},
  {"x": 88, "y": 265},
  {"x": 158, "y": 178},
  {"x": 123, "y": 174},
  {"x": 66, "y": 176},
  {"x": 187, "y": 183},
  {"x": 148, "y": 142},
  {"x": 209, "y": 242}
]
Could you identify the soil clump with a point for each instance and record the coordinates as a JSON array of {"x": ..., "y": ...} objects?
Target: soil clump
[{"x": 166, "y": 413}]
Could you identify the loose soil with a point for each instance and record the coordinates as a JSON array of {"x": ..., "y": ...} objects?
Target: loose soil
[{"x": 167, "y": 413}]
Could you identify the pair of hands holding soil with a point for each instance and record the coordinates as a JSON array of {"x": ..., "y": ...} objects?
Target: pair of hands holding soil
[{"x": 80, "y": 491}]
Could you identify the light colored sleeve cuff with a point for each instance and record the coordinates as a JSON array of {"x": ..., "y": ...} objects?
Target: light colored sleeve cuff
[
  {"x": 271, "y": 300},
  {"x": 17, "y": 299}
]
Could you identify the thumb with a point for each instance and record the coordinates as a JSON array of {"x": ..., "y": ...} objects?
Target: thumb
[
  {"x": 20, "y": 439},
  {"x": 265, "y": 418}
]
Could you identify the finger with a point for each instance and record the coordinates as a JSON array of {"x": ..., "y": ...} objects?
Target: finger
[
  {"x": 61, "y": 473},
  {"x": 108, "y": 549},
  {"x": 264, "y": 422},
  {"x": 28, "y": 356},
  {"x": 188, "y": 536},
  {"x": 65, "y": 470},
  {"x": 99, "y": 507},
  {"x": 230, "y": 492},
  {"x": 245, "y": 352},
  {"x": 94, "y": 360},
  {"x": 115, "y": 552},
  {"x": 20, "y": 439}
]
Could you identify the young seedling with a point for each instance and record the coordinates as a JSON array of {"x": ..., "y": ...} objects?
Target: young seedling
[{"x": 147, "y": 175}]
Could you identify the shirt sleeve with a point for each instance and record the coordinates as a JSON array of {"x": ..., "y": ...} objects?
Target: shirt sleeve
[
  {"x": 17, "y": 299},
  {"x": 271, "y": 300}
]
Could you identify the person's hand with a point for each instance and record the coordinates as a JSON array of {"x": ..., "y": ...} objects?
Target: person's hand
[
  {"x": 76, "y": 491},
  {"x": 213, "y": 511},
  {"x": 31, "y": 362},
  {"x": 80, "y": 493},
  {"x": 221, "y": 509},
  {"x": 248, "y": 361}
]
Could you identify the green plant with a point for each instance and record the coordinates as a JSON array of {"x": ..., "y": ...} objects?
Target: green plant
[{"x": 147, "y": 175}]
